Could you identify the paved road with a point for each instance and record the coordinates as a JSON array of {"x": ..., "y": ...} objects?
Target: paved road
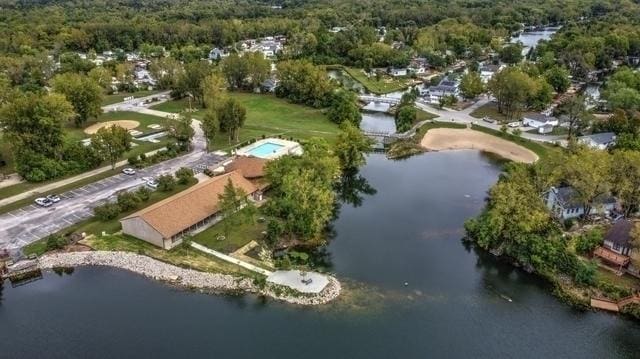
[{"x": 30, "y": 223}]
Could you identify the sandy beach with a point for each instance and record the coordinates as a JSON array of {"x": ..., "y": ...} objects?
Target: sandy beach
[{"x": 439, "y": 139}]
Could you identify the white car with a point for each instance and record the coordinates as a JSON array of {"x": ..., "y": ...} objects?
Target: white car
[
  {"x": 129, "y": 171},
  {"x": 43, "y": 202},
  {"x": 53, "y": 198},
  {"x": 152, "y": 183},
  {"x": 514, "y": 124}
]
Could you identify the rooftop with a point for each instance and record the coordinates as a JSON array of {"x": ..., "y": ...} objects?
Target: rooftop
[
  {"x": 248, "y": 166},
  {"x": 180, "y": 211},
  {"x": 620, "y": 233},
  {"x": 603, "y": 138}
]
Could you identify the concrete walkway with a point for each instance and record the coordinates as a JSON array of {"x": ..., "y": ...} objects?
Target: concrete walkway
[{"x": 230, "y": 259}]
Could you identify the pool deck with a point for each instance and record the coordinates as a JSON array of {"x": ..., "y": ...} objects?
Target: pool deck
[{"x": 278, "y": 146}]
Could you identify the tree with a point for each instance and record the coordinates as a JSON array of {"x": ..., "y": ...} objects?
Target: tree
[
  {"x": 101, "y": 76},
  {"x": 107, "y": 211},
  {"x": 214, "y": 90},
  {"x": 511, "y": 54},
  {"x": 166, "y": 183},
  {"x": 232, "y": 200},
  {"x": 179, "y": 128},
  {"x": 167, "y": 71},
  {"x": 210, "y": 126},
  {"x": 351, "y": 146},
  {"x": 471, "y": 85},
  {"x": 344, "y": 108},
  {"x": 625, "y": 172},
  {"x": 259, "y": 69},
  {"x": 558, "y": 78},
  {"x": 184, "y": 175},
  {"x": 302, "y": 82},
  {"x": 127, "y": 201},
  {"x": 588, "y": 241},
  {"x": 111, "y": 143},
  {"x": 511, "y": 88},
  {"x": 405, "y": 117},
  {"x": 190, "y": 81},
  {"x": 232, "y": 116},
  {"x": 575, "y": 111},
  {"x": 82, "y": 92},
  {"x": 588, "y": 171},
  {"x": 235, "y": 70}
]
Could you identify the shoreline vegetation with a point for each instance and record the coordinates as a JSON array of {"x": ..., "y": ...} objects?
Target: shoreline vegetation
[{"x": 213, "y": 283}]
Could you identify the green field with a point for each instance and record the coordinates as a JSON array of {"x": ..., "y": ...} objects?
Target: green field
[
  {"x": 239, "y": 235},
  {"x": 269, "y": 116},
  {"x": 489, "y": 110},
  {"x": 145, "y": 120},
  {"x": 111, "y": 99},
  {"x": 386, "y": 84}
]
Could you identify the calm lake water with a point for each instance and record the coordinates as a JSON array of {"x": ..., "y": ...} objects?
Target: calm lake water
[
  {"x": 410, "y": 230},
  {"x": 531, "y": 38}
]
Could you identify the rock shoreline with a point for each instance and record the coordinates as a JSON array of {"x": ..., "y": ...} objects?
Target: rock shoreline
[{"x": 186, "y": 278}]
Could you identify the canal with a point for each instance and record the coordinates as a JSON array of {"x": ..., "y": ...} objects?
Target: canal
[{"x": 414, "y": 290}]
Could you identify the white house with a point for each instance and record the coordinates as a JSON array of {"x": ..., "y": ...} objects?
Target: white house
[
  {"x": 398, "y": 72},
  {"x": 600, "y": 141},
  {"x": 217, "y": 54},
  {"x": 446, "y": 87},
  {"x": 487, "y": 72},
  {"x": 564, "y": 204},
  {"x": 541, "y": 122}
]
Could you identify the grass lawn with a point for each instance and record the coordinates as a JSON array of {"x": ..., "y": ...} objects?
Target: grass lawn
[
  {"x": 268, "y": 115},
  {"x": 541, "y": 149},
  {"x": 386, "y": 84},
  {"x": 111, "y": 99},
  {"x": 239, "y": 235},
  {"x": 489, "y": 110},
  {"x": 422, "y": 115},
  {"x": 557, "y": 131},
  {"x": 625, "y": 280}
]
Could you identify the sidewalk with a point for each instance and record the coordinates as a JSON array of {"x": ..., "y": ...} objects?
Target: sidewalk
[{"x": 64, "y": 182}]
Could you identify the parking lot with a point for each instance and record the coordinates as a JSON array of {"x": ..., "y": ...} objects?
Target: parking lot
[{"x": 30, "y": 223}]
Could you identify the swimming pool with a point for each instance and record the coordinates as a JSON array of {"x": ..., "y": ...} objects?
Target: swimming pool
[{"x": 266, "y": 149}]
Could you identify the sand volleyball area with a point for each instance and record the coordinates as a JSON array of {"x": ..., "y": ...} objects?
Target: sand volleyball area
[{"x": 126, "y": 124}]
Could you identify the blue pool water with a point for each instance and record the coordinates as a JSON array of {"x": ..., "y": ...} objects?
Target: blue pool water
[{"x": 265, "y": 149}]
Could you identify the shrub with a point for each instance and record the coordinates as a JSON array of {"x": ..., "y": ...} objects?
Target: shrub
[
  {"x": 274, "y": 231},
  {"x": 208, "y": 172},
  {"x": 56, "y": 241},
  {"x": 128, "y": 201},
  {"x": 107, "y": 211},
  {"x": 184, "y": 175},
  {"x": 588, "y": 241},
  {"x": 133, "y": 160},
  {"x": 143, "y": 157},
  {"x": 143, "y": 193},
  {"x": 586, "y": 274},
  {"x": 166, "y": 183}
]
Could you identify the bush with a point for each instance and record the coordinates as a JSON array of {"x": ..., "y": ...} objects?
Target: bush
[
  {"x": 133, "y": 160},
  {"x": 56, "y": 241},
  {"x": 128, "y": 201},
  {"x": 586, "y": 274},
  {"x": 184, "y": 175},
  {"x": 588, "y": 241},
  {"x": 143, "y": 193},
  {"x": 274, "y": 231},
  {"x": 208, "y": 172},
  {"x": 166, "y": 183},
  {"x": 143, "y": 157},
  {"x": 107, "y": 211}
]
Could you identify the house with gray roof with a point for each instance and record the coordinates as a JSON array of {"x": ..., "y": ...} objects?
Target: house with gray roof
[
  {"x": 446, "y": 87},
  {"x": 618, "y": 237},
  {"x": 563, "y": 202},
  {"x": 600, "y": 141}
]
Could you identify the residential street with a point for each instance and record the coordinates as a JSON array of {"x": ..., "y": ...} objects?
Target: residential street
[{"x": 30, "y": 223}]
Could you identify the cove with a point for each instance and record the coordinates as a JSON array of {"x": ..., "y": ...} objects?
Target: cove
[{"x": 454, "y": 303}]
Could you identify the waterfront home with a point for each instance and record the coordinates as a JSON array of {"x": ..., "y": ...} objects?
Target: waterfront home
[
  {"x": 165, "y": 223},
  {"x": 564, "y": 204},
  {"x": 487, "y": 71},
  {"x": 617, "y": 247},
  {"x": 398, "y": 72},
  {"x": 543, "y": 123},
  {"x": 600, "y": 141},
  {"x": 446, "y": 87}
]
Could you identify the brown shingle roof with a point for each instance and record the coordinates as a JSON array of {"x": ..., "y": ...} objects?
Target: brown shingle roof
[
  {"x": 180, "y": 211},
  {"x": 250, "y": 167}
]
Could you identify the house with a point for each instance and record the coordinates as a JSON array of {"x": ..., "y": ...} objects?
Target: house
[
  {"x": 446, "y": 87},
  {"x": 542, "y": 122},
  {"x": 418, "y": 66},
  {"x": 397, "y": 72},
  {"x": 618, "y": 237},
  {"x": 217, "y": 54},
  {"x": 600, "y": 141},
  {"x": 487, "y": 72},
  {"x": 165, "y": 223},
  {"x": 269, "y": 85},
  {"x": 564, "y": 204}
]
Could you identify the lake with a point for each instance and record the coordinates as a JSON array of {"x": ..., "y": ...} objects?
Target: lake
[
  {"x": 530, "y": 39},
  {"x": 414, "y": 290}
]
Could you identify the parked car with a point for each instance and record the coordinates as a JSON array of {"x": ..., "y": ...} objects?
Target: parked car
[
  {"x": 152, "y": 183},
  {"x": 488, "y": 119},
  {"x": 514, "y": 124},
  {"x": 53, "y": 198},
  {"x": 129, "y": 171},
  {"x": 43, "y": 202}
]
